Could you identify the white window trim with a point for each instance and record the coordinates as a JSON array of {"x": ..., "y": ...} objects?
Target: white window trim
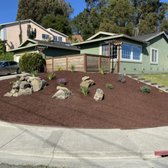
[
  {"x": 157, "y": 57},
  {"x": 131, "y": 59}
]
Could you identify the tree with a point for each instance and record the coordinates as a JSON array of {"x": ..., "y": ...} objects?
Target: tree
[
  {"x": 37, "y": 10},
  {"x": 2, "y": 47},
  {"x": 131, "y": 17},
  {"x": 58, "y": 22},
  {"x": 116, "y": 17}
]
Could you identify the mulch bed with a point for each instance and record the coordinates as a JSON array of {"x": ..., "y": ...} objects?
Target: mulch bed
[{"x": 123, "y": 107}]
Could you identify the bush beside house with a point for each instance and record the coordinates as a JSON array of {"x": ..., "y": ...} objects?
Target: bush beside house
[{"x": 30, "y": 62}]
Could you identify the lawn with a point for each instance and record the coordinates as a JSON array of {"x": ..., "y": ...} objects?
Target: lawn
[{"x": 161, "y": 79}]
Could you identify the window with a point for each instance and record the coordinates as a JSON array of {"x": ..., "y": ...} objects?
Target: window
[
  {"x": 105, "y": 49},
  {"x": 136, "y": 53},
  {"x": 55, "y": 38},
  {"x": 154, "y": 56},
  {"x": 126, "y": 51},
  {"x": 131, "y": 52},
  {"x": 60, "y": 39},
  {"x": 45, "y": 36},
  {"x": 113, "y": 50}
]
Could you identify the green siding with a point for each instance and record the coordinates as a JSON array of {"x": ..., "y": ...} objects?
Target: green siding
[
  {"x": 145, "y": 66},
  {"x": 92, "y": 48}
]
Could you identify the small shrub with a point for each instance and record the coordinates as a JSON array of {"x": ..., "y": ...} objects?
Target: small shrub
[
  {"x": 59, "y": 68},
  {"x": 109, "y": 86},
  {"x": 30, "y": 62},
  {"x": 51, "y": 76},
  {"x": 72, "y": 68},
  {"x": 101, "y": 70},
  {"x": 85, "y": 90},
  {"x": 62, "y": 81},
  {"x": 145, "y": 89}
]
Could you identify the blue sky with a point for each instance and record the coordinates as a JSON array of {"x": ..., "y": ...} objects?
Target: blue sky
[{"x": 8, "y": 9}]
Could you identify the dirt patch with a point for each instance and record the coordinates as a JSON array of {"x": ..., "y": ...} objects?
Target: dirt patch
[{"x": 123, "y": 107}]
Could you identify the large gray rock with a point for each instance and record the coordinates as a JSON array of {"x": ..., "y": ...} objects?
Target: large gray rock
[
  {"x": 62, "y": 94},
  {"x": 87, "y": 83},
  {"x": 63, "y": 88},
  {"x": 16, "y": 85},
  {"x": 36, "y": 84},
  {"x": 24, "y": 85},
  {"x": 85, "y": 78},
  {"x": 99, "y": 95},
  {"x": 27, "y": 91},
  {"x": 84, "y": 84},
  {"x": 8, "y": 94}
]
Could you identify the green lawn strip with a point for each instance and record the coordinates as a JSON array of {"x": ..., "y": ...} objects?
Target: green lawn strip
[{"x": 161, "y": 79}]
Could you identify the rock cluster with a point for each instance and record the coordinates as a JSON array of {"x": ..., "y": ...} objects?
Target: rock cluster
[
  {"x": 62, "y": 93},
  {"x": 26, "y": 85},
  {"x": 87, "y": 82}
]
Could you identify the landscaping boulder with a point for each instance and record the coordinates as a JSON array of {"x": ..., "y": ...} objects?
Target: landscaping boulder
[
  {"x": 27, "y": 91},
  {"x": 24, "y": 85},
  {"x": 99, "y": 95},
  {"x": 62, "y": 93},
  {"x": 36, "y": 84},
  {"x": 86, "y": 82},
  {"x": 16, "y": 84},
  {"x": 85, "y": 78}
]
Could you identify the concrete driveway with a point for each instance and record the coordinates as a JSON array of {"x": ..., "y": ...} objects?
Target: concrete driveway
[{"x": 80, "y": 148}]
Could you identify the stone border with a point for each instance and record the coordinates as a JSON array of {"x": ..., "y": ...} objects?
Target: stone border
[{"x": 148, "y": 82}]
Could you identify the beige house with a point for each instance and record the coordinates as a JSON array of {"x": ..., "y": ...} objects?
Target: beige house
[{"x": 15, "y": 33}]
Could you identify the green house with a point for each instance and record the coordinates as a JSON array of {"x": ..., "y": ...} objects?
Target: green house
[
  {"x": 46, "y": 48},
  {"x": 130, "y": 55}
]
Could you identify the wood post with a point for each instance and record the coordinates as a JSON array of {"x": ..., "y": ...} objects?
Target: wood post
[
  {"x": 67, "y": 63},
  {"x": 85, "y": 62}
]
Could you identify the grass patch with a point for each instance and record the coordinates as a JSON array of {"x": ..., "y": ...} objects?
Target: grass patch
[{"x": 161, "y": 79}]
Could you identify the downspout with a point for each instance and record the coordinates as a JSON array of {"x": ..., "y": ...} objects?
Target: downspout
[{"x": 20, "y": 35}]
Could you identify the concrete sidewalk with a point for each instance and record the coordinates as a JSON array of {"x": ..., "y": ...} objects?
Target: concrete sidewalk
[{"x": 91, "y": 148}]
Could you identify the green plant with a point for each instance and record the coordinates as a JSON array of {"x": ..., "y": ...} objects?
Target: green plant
[
  {"x": 6, "y": 56},
  {"x": 101, "y": 70},
  {"x": 72, "y": 68},
  {"x": 59, "y": 68},
  {"x": 109, "y": 86},
  {"x": 30, "y": 62},
  {"x": 34, "y": 73},
  {"x": 145, "y": 89},
  {"x": 51, "y": 76},
  {"x": 85, "y": 90}
]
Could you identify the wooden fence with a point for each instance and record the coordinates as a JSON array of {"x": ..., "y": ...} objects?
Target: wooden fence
[{"x": 81, "y": 62}]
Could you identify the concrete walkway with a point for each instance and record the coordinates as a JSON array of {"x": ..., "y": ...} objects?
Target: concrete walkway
[{"x": 79, "y": 148}]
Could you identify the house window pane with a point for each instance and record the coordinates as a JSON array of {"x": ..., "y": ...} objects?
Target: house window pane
[
  {"x": 126, "y": 51},
  {"x": 136, "y": 53},
  {"x": 45, "y": 36},
  {"x": 154, "y": 56},
  {"x": 114, "y": 51},
  {"x": 55, "y": 38},
  {"x": 105, "y": 49},
  {"x": 60, "y": 39}
]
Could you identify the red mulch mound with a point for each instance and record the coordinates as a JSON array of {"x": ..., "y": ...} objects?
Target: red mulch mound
[{"x": 123, "y": 107}]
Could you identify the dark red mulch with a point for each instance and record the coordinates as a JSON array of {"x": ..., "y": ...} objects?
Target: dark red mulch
[{"x": 123, "y": 107}]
